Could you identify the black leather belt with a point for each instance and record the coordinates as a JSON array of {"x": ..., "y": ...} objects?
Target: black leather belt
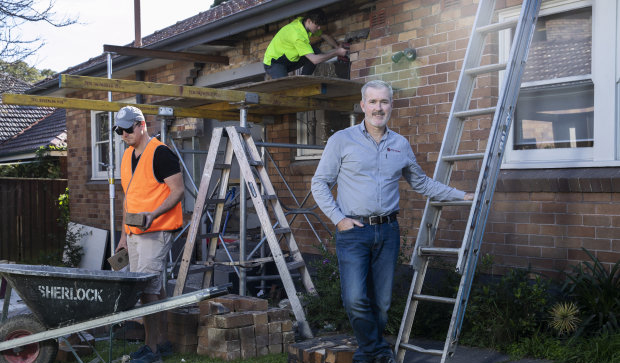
[{"x": 372, "y": 220}]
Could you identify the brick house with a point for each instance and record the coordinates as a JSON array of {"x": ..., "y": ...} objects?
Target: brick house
[{"x": 560, "y": 178}]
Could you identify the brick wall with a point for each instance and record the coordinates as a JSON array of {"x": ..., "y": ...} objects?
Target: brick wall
[{"x": 527, "y": 225}]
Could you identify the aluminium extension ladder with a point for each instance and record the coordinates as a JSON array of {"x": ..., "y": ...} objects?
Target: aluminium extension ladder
[
  {"x": 467, "y": 254},
  {"x": 241, "y": 145}
]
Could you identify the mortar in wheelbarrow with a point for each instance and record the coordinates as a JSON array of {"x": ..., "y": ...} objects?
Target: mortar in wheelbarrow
[{"x": 64, "y": 295}]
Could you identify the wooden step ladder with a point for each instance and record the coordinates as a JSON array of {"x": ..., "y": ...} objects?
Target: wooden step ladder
[
  {"x": 241, "y": 145},
  {"x": 467, "y": 254}
]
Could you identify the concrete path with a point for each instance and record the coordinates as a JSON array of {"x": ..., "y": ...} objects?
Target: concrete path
[{"x": 462, "y": 355}]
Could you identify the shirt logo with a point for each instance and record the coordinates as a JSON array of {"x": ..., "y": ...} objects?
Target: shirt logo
[{"x": 393, "y": 150}]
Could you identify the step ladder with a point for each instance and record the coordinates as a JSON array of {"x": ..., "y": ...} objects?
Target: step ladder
[
  {"x": 467, "y": 255},
  {"x": 241, "y": 145}
]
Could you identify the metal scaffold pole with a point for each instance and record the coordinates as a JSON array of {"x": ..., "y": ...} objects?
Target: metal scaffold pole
[{"x": 111, "y": 160}]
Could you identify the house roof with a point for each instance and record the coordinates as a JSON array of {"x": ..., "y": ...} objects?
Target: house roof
[
  {"x": 49, "y": 130},
  {"x": 225, "y": 20},
  {"x": 558, "y": 59},
  {"x": 14, "y": 118}
]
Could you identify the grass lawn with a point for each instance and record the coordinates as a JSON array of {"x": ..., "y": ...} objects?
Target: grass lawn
[{"x": 120, "y": 348}]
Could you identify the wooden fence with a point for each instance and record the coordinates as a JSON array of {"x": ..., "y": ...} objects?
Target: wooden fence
[{"x": 29, "y": 228}]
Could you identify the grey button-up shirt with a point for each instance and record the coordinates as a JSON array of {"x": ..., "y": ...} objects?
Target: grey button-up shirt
[{"x": 367, "y": 174}]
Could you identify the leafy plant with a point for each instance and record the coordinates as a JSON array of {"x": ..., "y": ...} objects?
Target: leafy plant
[
  {"x": 564, "y": 318},
  {"x": 72, "y": 251},
  {"x": 601, "y": 349},
  {"x": 505, "y": 310},
  {"x": 44, "y": 166},
  {"x": 325, "y": 310},
  {"x": 596, "y": 290}
]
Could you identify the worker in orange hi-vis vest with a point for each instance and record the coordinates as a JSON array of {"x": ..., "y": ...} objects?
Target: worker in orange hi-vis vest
[{"x": 153, "y": 185}]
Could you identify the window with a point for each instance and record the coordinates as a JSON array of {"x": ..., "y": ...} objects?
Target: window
[
  {"x": 315, "y": 127},
  {"x": 100, "y": 137},
  {"x": 560, "y": 120}
]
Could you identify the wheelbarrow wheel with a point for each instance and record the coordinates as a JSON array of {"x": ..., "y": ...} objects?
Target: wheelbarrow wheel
[{"x": 20, "y": 326}]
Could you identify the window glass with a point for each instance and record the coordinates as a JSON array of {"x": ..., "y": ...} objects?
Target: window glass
[
  {"x": 559, "y": 118},
  {"x": 100, "y": 136},
  {"x": 315, "y": 127},
  {"x": 102, "y": 139},
  {"x": 561, "y": 46},
  {"x": 555, "y": 108}
]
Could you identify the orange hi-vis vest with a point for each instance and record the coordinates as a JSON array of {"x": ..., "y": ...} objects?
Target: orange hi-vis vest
[{"x": 143, "y": 193}]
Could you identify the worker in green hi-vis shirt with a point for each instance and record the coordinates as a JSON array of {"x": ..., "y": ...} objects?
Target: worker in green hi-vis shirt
[{"x": 290, "y": 48}]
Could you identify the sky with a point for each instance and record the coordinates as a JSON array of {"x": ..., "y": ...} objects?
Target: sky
[{"x": 101, "y": 22}]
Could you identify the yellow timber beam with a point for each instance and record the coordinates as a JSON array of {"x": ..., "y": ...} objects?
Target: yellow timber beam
[
  {"x": 305, "y": 91},
  {"x": 83, "y": 104},
  {"x": 203, "y": 93}
]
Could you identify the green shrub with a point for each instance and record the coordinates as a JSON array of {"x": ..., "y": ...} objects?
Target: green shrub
[
  {"x": 325, "y": 311},
  {"x": 596, "y": 290},
  {"x": 601, "y": 349},
  {"x": 44, "y": 165},
  {"x": 503, "y": 311}
]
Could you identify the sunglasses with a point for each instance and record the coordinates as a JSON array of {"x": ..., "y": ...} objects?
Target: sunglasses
[{"x": 119, "y": 130}]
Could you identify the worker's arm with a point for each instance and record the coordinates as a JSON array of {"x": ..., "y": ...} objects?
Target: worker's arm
[
  {"x": 322, "y": 57},
  {"x": 177, "y": 188},
  {"x": 330, "y": 40}
]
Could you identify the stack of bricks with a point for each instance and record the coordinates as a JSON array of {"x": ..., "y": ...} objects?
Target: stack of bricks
[
  {"x": 330, "y": 349},
  {"x": 239, "y": 327},
  {"x": 183, "y": 329}
]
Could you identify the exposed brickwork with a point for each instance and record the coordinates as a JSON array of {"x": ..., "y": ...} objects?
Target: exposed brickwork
[{"x": 540, "y": 218}]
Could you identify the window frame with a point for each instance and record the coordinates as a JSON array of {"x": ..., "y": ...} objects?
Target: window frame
[
  {"x": 302, "y": 138},
  {"x": 604, "y": 152},
  {"x": 119, "y": 148}
]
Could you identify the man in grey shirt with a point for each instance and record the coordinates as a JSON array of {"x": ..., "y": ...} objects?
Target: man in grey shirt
[{"x": 367, "y": 161}]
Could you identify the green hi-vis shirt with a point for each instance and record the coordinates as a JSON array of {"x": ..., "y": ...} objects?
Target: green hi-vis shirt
[{"x": 293, "y": 40}]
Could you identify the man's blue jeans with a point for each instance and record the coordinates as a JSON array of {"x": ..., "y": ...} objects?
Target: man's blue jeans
[{"x": 367, "y": 258}]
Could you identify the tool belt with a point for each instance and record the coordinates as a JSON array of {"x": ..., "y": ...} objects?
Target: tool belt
[{"x": 372, "y": 220}]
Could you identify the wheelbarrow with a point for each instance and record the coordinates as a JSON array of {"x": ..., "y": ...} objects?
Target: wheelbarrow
[{"x": 70, "y": 300}]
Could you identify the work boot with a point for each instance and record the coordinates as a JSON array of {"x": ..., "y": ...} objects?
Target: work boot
[
  {"x": 148, "y": 357},
  {"x": 140, "y": 352}
]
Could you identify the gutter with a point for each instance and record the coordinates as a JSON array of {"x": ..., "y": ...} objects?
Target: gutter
[{"x": 249, "y": 19}]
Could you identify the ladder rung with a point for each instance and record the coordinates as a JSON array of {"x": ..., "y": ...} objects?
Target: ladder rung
[
  {"x": 439, "y": 299},
  {"x": 415, "y": 348},
  {"x": 476, "y": 112},
  {"x": 450, "y": 158},
  {"x": 485, "y": 69},
  {"x": 443, "y": 251},
  {"x": 256, "y": 162},
  {"x": 454, "y": 203},
  {"x": 497, "y": 26},
  {"x": 216, "y": 201},
  {"x": 221, "y": 166},
  {"x": 281, "y": 230},
  {"x": 247, "y": 263},
  {"x": 294, "y": 265},
  {"x": 269, "y": 197}
]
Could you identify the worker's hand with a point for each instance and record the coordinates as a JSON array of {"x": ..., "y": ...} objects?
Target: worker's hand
[
  {"x": 348, "y": 223},
  {"x": 340, "y": 51},
  {"x": 148, "y": 220},
  {"x": 122, "y": 243},
  {"x": 469, "y": 196}
]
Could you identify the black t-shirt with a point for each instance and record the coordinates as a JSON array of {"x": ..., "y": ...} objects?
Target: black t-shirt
[{"x": 165, "y": 163}]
